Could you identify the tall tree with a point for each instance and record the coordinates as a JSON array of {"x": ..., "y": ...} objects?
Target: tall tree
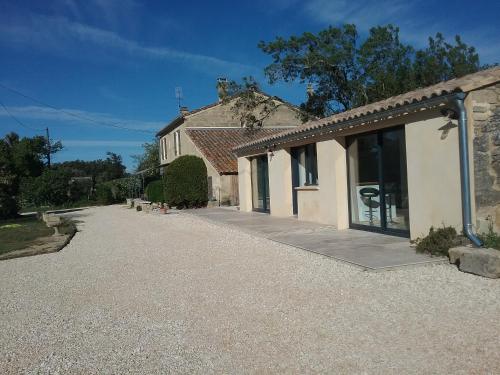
[
  {"x": 441, "y": 61},
  {"x": 386, "y": 64},
  {"x": 19, "y": 158},
  {"x": 346, "y": 73},
  {"x": 149, "y": 159},
  {"x": 327, "y": 59}
]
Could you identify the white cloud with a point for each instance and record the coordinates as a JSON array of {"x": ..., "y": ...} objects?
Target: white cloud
[
  {"x": 81, "y": 117},
  {"x": 364, "y": 14},
  {"x": 63, "y": 37}
]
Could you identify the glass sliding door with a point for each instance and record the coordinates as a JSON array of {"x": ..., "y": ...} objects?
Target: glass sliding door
[
  {"x": 378, "y": 189},
  {"x": 364, "y": 180},
  {"x": 395, "y": 180},
  {"x": 260, "y": 183}
]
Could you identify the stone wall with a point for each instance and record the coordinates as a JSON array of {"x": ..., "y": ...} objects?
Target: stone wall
[{"x": 486, "y": 151}]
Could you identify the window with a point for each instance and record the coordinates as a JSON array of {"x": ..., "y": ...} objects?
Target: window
[
  {"x": 162, "y": 154},
  {"x": 164, "y": 148},
  {"x": 306, "y": 161},
  {"x": 210, "y": 189},
  {"x": 177, "y": 143}
]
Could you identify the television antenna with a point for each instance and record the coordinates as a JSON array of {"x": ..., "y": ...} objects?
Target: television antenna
[{"x": 178, "y": 96}]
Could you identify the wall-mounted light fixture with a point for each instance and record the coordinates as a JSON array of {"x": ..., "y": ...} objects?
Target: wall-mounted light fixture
[{"x": 270, "y": 151}]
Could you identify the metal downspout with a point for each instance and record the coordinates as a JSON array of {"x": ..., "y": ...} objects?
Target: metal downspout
[{"x": 464, "y": 170}]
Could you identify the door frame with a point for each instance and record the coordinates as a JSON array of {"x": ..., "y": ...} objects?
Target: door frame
[
  {"x": 383, "y": 213},
  {"x": 295, "y": 180},
  {"x": 263, "y": 185}
]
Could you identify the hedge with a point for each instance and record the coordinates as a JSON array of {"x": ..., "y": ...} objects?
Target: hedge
[
  {"x": 186, "y": 183},
  {"x": 155, "y": 191},
  {"x": 116, "y": 191}
]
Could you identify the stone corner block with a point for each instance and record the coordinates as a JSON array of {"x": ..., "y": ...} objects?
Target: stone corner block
[{"x": 482, "y": 262}]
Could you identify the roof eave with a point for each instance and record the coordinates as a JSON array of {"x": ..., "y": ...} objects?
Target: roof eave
[
  {"x": 174, "y": 123},
  {"x": 428, "y": 103}
]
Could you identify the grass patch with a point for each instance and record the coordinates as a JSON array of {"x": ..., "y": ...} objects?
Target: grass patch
[
  {"x": 17, "y": 234},
  {"x": 490, "y": 239}
]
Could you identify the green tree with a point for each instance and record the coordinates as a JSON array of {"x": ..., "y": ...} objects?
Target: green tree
[
  {"x": 386, "y": 64},
  {"x": 113, "y": 167},
  {"x": 20, "y": 158},
  {"x": 441, "y": 61},
  {"x": 327, "y": 59},
  {"x": 99, "y": 170},
  {"x": 346, "y": 73},
  {"x": 51, "y": 188},
  {"x": 149, "y": 159}
]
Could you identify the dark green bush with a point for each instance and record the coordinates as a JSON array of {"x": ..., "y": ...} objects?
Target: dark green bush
[
  {"x": 185, "y": 182},
  {"x": 9, "y": 205},
  {"x": 155, "y": 191},
  {"x": 50, "y": 188},
  {"x": 438, "y": 241},
  {"x": 104, "y": 194}
]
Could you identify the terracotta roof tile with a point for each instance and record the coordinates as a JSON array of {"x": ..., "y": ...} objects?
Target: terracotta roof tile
[
  {"x": 216, "y": 144},
  {"x": 466, "y": 83}
]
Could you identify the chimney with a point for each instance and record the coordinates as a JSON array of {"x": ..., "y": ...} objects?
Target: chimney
[
  {"x": 221, "y": 88},
  {"x": 184, "y": 110}
]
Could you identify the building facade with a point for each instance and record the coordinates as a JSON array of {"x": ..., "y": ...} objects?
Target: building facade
[
  {"x": 393, "y": 166},
  {"x": 211, "y": 132}
]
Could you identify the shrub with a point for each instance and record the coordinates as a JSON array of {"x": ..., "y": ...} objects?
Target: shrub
[
  {"x": 439, "y": 241},
  {"x": 185, "y": 182},
  {"x": 8, "y": 206},
  {"x": 490, "y": 239},
  {"x": 8, "y": 203},
  {"x": 104, "y": 194},
  {"x": 50, "y": 188},
  {"x": 155, "y": 191}
]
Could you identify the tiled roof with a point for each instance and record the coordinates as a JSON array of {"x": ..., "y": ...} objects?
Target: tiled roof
[
  {"x": 216, "y": 144},
  {"x": 466, "y": 83}
]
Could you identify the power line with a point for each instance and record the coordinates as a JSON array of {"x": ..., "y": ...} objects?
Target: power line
[
  {"x": 85, "y": 118},
  {"x": 17, "y": 120}
]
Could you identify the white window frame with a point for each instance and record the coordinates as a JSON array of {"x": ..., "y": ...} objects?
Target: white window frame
[{"x": 177, "y": 143}]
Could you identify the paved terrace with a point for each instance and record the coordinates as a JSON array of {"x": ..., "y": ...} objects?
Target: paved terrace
[{"x": 371, "y": 251}]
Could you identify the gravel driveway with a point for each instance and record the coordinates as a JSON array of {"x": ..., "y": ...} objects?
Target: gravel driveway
[{"x": 139, "y": 293}]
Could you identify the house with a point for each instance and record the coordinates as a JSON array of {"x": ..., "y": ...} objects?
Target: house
[
  {"x": 398, "y": 166},
  {"x": 211, "y": 132}
]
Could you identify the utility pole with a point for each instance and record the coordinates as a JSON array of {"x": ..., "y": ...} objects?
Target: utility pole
[{"x": 48, "y": 146}]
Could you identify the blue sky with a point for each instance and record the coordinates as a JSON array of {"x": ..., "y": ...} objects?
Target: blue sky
[{"x": 120, "y": 61}]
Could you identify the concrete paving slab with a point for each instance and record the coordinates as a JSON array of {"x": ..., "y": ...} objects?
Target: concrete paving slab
[{"x": 371, "y": 251}]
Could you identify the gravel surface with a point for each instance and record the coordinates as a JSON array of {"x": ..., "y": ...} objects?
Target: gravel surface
[{"x": 139, "y": 293}]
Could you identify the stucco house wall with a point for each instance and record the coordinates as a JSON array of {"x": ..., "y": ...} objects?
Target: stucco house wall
[
  {"x": 433, "y": 168},
  {"x": 327, "y": 203},
  {"x": 433, "y": 171}
]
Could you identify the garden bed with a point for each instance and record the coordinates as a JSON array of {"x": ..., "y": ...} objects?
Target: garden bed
[{"x": 29, "y": 236}]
